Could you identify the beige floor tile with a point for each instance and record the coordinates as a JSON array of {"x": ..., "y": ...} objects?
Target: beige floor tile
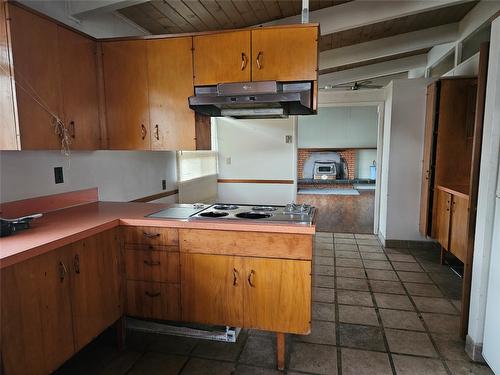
[
  {"x": 383, "y": 286},
  {"x": 259, "y": 350},
  {"x": 358, "y": 315},
  {"x": 393, "y": 301},
  {"x": 346, "y": 262},
  {"x": 435, "y": 305},
  {"x": 407, "y": 266},
  {"x": 343, "y": 235},
  {"x": 377, "y": 264},
  {"x": 313, "y": 358},
  {"x": 197, "y": 366},
  {"x": 401, "y": 257},
  {"x": 347, "y": 254},
  {"x": 370, "y": 249},
  {"x": 323, "y": 246},
  {"x": 408, "y": 342},
  {"x": 251, "y": 370},
  {"x": 373, "y": 256},
  {"x": 401, "y": 320},
  {"x": 414, "y": 277},
  {"x": 362, "y": 235},
  {"x": 358, "y": 273},
  {"x": 406, "y": 365},
  {"x": 323, "y": 295},
  {"x": 323, "y": 239},
  {"x": 321, "y": 333},
  {"x": 361, "y": 337},
  {"x": 382, "y": 275},
  {"x": 344, "y": 241},
  {"x": 367, "y": 241},
  {"x": 425, "y": 290},
  {"x": 324, "y": 270},
  {"x": 324, "y": 234},
  {"x": 158, "y": 364},
  {"x": 324, "y": 252},
  {"x": 352, "y": 284},
  {"x": 345, "y": 246},
  {"x": 352, "y": 297},
  {"x": 323, "y": 311},
  {"x": 323, "y": 281},
  {"x": 441, "y": 323},
  {"x": 451, "y": 348},
  {"x": 361, "y": 362},
  {"x": 326, "y": 261},
  {"x": 468, "y": 368}
]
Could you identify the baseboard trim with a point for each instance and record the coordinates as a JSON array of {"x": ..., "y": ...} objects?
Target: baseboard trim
[
  {"x": 474, "y": 350},
  {"x": 154, "y": 197}
]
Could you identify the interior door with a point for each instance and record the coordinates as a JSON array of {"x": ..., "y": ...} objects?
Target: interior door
[
  {"x": 212, "y": 289},
  {"x": 170, "y": 76},
  {"x": 459, "y": 227},
  {"x": 79, "y": 84},
  {"x": 37, "y": 332},
  {"x": 441, "y": 218},
  {"x": 275, "y": 291},
  {"x": 126, "y": 94},
  {"x": 428, "y": 160},
  {"x": 223, "y": 57},
  {"x": 95, "y": 285},
  {"x": 37, "y": 74},
  {"x": 285, "y": 54}
]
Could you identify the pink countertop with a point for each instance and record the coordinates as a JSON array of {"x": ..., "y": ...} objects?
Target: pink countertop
[{"x": 62, "y": 227}]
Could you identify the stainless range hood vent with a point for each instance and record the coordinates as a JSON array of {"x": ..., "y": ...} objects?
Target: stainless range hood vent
[{"x": 264, "y": 99}]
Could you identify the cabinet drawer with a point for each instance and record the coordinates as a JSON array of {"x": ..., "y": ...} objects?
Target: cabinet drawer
[
  {"x": 159, "y": 266},
  {"x": 153, "y": 300},
  {"x": 151, "y": 236},
  {"x": 267, "y": 245}
]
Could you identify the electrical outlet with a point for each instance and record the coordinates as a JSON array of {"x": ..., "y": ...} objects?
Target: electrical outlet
[
  {"x": 228, "y": 160},
  {"x": 58, "y": 175},
  {"x": 164, "y": 184},
  {"x": 288, "y": 139}
]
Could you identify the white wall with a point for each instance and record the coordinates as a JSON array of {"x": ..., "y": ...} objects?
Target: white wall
[
  {"x": 119, "y": 175},
  {"x": 257, "y": 151},
  {"x": 339, "y": 127},
  {"x": 364, "y": 159},
  {"x": 402, "y": 159}
]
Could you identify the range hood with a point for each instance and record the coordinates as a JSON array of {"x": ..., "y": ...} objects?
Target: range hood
[{"x": 263, "y": 99}]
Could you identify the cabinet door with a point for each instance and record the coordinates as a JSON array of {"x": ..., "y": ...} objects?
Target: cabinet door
[
  {"x": 277, "y": 294},
  {"x": 37, "y": 74},
  {"x": 212, "y": 289},
  {"x": 285, "y": 54},
  {"x": 222, "y": 57},
  {"x": 153, "y": 300},
  {"x": 148, "y": 265},
  {"x": 95, "y": 291},
  {"x": 8, "y": 126},
  {"x": 37, "y": 333},
  {"x": 170, "y": 72},
  {"x": 126, "y": 94},
  {"x": 441, "y": 219},
  {"x": 79, "y": 84},
  {"x": 428, "y": 160},
  {"x": 459, "y": 227}
]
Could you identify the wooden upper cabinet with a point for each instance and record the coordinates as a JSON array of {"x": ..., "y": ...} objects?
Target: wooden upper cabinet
[
  {"x": 285, "y": 54},
  {"x": 170, "y": 77},
  {"x": 95, "y": 291},
  {"x": 8, "y": 124},
  {"x": 37, "y": 74},
  {"x": 275, "y": 291},
  {"x": 37, "y": 332},
  {"x": 222, "y": 57},
  {"x": 459, "y": 227},
  {"x": 126, "y": 94},
  {"x": 79, "y": 85}
]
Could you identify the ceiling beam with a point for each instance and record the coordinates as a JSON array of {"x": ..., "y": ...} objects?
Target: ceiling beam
[
  {"x": 359, "y": 13},
  {"x": 386, "y": 47},
  {"x": 375, "y": 70},
  {"x": 85, "y": 8}
]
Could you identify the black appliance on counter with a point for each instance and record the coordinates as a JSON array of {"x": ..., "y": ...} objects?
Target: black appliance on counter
[{"x": 10, "y": 226}]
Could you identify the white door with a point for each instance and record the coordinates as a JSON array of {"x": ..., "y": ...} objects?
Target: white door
[{"x": 491, "y": 344}]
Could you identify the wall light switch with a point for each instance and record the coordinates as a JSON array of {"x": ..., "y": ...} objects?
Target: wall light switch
[
  {"x": 288, "y": 139},
  {"x": 228, "y": 160},
  {"x": 58, "y": 175}
]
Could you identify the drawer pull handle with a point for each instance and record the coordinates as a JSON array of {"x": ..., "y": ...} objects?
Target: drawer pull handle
[
  {"x": 62, "y": 271},
  {"x": 250, "y": 278},
  {"x": 144, "y": 132},
  {"x": 259, "y": 63},
  {"x": 151, "y": 235},
  {"x": 244, "y": 60},
  {"x": 151, "y": 263},
  {"x": 235, "y": 277},
  {"x": 152, "y": 295}
]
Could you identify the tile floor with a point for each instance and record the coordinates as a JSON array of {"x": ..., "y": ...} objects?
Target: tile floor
[{"x": 375, "y": 311}]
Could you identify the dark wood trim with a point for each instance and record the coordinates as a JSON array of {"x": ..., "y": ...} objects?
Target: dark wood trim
[
  {"x": 474, "y": 184},
  {"x": 153, "y": 197},
  {"x": 249, "y": 181}
]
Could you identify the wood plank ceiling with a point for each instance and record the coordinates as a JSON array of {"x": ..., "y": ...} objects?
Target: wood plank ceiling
[{"x": 178, "y": 16}]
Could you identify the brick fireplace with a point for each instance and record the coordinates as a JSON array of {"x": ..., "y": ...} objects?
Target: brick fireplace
[{"x": 348, "y": 154}]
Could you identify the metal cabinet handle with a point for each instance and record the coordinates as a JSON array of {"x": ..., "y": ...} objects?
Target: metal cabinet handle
[
  {"x": 151, "y": 263},
  {"x": 151, "y": 235},
  {"x": 72, "y": 130},
  {"x": 152, "y": 295},
  {"x": 63, "y": 271},
  {"x": 250, "y": 278},
  {"x": 259, "y": 64},
  {"x": 235, "y": 277},
  {"x": 157, "y": 132},
  {"x": 244, "y": 61},
  {"x": 76, "y": 263},
  {"x": 144, "y": 131}
]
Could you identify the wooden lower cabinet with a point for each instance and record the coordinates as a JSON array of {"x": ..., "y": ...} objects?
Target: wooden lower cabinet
[
  {"x": 55, "y": 303},
  {"x": 152, "y": 300},
  {"x": 159, "y": 266},
  {"x": 269, "y": 294},
  {"x": 37, "y": 332},
  {"x": 459, "y": 227},
  {"x": 441, "y": 220}
]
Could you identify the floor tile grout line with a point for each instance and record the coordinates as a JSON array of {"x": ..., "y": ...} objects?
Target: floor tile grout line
[{"x": 337, "y": 317}]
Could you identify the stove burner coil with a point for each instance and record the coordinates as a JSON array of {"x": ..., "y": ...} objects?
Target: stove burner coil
[
  {"x": 214, "y": 214},
  {"x": 264, "y": 208},
  {"x": 226, "y": 207},
  {"x": 252, "y": 215}
]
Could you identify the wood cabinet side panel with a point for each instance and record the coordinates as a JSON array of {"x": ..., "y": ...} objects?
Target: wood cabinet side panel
[
  {"x": 459, "y": 227},
  {"x": 441, "y": 218}
]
